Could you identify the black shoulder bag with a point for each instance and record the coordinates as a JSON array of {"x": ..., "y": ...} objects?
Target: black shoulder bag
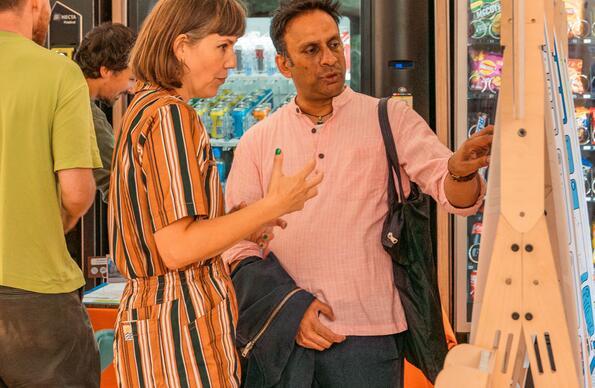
[{"x": 406, "y": 237}]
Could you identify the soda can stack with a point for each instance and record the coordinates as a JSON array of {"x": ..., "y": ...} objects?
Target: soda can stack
[
  {"x": 229, "y": 115},
  {"x": 242, "y": 119},
  {"x": 218, "y": 122}
]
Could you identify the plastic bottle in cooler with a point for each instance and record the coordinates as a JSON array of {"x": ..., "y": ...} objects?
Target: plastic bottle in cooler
[
  {"x": 259, "y": 55},
  {"x": 247, "y": 54},
  {"x": 270, "y": 61},
  {"x": 239, "y": 52}
]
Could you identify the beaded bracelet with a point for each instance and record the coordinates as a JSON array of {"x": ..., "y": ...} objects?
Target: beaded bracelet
[{"x": 465, "y": 178}]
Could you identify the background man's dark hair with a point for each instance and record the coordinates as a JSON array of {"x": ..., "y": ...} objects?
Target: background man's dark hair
[
  {"x": 5, "y": 5},
  {"x": 290, "y": 9},
  {"x": 106, "y": 45}
]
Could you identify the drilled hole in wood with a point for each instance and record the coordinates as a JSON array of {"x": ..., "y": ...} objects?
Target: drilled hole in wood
[
  {"x": 537, "y": 355},
  {"x": 550, "y": 351}
]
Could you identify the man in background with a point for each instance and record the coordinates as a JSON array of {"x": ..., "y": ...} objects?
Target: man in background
[
  {"x": 47, "y": 155},
  {"x": 103, "y": 58}
]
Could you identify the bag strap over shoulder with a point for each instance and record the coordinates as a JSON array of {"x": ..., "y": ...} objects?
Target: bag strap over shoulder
[{"x": 391, "y": 153}]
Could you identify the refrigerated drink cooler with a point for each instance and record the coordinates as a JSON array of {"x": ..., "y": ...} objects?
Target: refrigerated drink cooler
[
  {"x": 387, "y": 50},
  {"x": 255, "y": 88},
  {"x": 478, "y": 68}
]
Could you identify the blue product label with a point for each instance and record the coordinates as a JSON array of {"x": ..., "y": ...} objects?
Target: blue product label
[
  {"x": 588, "y": 310},
  {"x": 575, "y": 203},
  {"x": 584, "y": 277},
  {"x": 569, "y": 153},
  {"x": 481, "y": 123},
  {"x": 592, "y": 366}
]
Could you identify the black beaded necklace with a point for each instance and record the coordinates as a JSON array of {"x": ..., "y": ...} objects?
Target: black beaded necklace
[{"x": 318, "y": 117}]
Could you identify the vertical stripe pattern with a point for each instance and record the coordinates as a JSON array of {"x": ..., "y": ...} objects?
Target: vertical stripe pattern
[{"x": 174, "y": 328}]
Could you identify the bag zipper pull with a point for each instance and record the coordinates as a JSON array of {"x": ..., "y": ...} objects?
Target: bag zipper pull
[
  {"x": 247, "y": 349},
  {"x": 392, "y": 238}
]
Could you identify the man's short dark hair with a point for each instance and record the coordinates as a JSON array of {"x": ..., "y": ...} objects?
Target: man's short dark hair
[
  {"x": 290, "y": 9},
  {"x": 5, "y": 5},
  {"x": 107, "y": 45}
]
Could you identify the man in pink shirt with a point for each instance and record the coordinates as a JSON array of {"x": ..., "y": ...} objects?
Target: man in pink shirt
[{"x": 332, "y": 248}]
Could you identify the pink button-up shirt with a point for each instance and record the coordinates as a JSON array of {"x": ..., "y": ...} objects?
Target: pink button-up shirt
[{"x": 332, "y": 248}]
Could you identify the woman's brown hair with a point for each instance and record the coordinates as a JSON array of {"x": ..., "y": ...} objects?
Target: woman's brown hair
[{"x": 153, "y": 59}]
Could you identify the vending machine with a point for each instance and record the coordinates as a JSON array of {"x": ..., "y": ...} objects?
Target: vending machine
[
  {"x": 478, "y": 65},
  {"x": 581, "y": 68},
  {"x": 253, "y": 90}
]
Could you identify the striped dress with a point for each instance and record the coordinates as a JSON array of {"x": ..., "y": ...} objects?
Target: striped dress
[{"x": 174, "y": 328}]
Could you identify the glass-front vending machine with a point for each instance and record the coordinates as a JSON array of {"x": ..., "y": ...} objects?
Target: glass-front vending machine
[
  {"x": 388, "y": 49},
  {"x": 477, "y": 79},
  {"x": 581, "y": 68},
  {"x": 255, "y": 88},
  {"x": 478, "y": 64}
]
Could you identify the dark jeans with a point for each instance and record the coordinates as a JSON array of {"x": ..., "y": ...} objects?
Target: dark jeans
[
  {"x": 46, "y": 340},
  {"x": 366, "y": 362}
]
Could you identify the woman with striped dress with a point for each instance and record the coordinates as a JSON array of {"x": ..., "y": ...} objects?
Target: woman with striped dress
[{"x": 167, "y": 224}]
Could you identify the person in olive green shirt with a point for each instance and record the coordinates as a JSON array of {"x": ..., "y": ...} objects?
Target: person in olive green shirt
[
  {"x": 103, "y": 58},
  {"x": 47, "y": 153}
]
